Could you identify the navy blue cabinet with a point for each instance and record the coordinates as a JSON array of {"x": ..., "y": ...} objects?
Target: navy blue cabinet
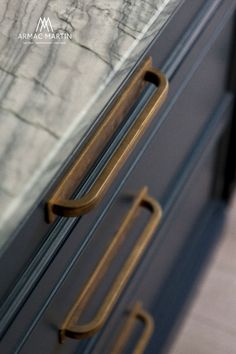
[{"x": 183, "y": 165}]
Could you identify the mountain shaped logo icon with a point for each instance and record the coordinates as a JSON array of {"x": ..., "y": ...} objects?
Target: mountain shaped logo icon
[{"x": 44, "y": 24}]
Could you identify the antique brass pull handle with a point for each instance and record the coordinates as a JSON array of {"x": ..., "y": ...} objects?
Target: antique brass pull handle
[
  {"x": 59, "y": 204},
  {"x": 137, "y": 313},
  {"x": 70, "y": 327}
]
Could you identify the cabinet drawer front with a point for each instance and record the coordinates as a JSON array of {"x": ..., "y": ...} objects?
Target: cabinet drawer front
[
  {"x": 193, "y": 97},
  {"x": 154, "y": 285},
  {"x": 176, "y": 227}
]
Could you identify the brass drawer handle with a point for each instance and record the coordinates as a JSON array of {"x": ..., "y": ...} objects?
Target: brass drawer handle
[
  {"x": 59, "y": 204},
  {"x": 137, "y": 313},
  {"x": 70, "y": 327}
]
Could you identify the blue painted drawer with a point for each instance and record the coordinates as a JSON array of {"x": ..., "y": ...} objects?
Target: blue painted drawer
[
  {"x": 44, "y": 236},
  {"x": 169, "y": 267},
  {"x": 192, "y": 191}
]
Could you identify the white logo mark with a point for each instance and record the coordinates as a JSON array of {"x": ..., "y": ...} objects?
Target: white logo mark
[{"x": 45, "y": 23}]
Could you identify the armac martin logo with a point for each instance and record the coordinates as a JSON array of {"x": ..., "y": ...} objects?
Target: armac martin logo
[{"x": 45, "y": 34}]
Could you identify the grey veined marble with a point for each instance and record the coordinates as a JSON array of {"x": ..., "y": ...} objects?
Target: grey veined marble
[{"x": 60, "y": 61}]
